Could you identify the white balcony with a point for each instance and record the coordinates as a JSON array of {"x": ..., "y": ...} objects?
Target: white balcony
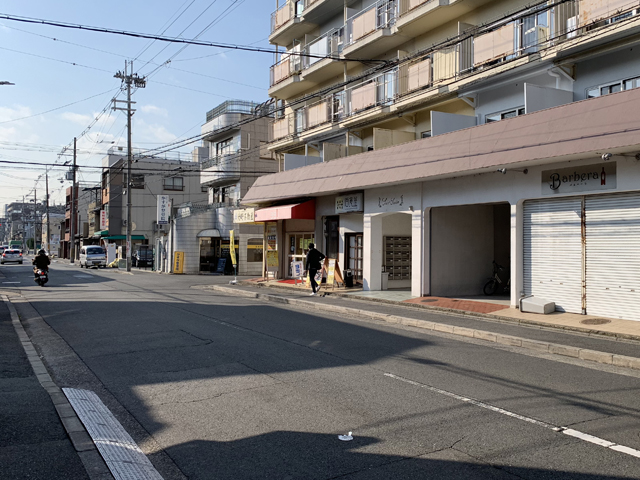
[{"x": 221, "y": 170}]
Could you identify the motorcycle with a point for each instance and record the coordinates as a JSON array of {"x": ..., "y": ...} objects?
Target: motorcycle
[{"x": 42, "y": 276}]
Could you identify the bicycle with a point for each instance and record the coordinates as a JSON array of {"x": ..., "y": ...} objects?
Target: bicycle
[{"x": 495, "y": 283}]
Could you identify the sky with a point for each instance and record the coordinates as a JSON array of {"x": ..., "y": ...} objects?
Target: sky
[{"x": 64, "y": 81}]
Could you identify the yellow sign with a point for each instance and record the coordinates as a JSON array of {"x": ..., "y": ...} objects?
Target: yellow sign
[
  {"x": 272, "y": 259},
  {"x": 178, "y": 262},
  {"x": 232, "y": 250},
  {"x": 331, "y": 271}
]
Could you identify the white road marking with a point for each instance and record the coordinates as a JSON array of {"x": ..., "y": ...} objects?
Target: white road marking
[
  {"x": 11, "y": 282},
  {"x": 567, "y": 431},
  {"x": 83, "y": 276}
]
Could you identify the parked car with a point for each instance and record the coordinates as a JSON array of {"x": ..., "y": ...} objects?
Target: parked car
[
  {"x": 11, "y": 255},
  {"x": 93, "y": 256},
  {"x": 142, "y": 258},
  {"x": 3, "y": 248}
]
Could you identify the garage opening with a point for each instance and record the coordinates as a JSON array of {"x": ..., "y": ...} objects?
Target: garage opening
[{"x": 465, "y": 240}]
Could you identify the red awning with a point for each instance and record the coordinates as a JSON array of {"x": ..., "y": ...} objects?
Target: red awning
[{"x": 301, "y": 211}]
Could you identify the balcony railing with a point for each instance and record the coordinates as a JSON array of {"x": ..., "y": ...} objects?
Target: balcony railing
[
  {"x": 291, "y": 9},
  {"x": 538, "y": 28},
  {"x": 380, "y": 15}
]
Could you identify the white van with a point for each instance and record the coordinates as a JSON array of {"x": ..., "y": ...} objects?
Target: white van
[{"x": 93, "y": 256}]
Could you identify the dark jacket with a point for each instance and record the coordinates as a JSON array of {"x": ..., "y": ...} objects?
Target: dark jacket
[
  {"x": 314, "y": 259},
  {"x": 42, "y": 262}
]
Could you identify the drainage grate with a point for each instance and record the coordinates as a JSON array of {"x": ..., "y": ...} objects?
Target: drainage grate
[
  {"x": 595, "y": 321},
  {"x": 429, "y": 300}
]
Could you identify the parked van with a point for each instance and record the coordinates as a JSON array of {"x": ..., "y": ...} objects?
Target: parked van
[{"x": 93, "y": 256}]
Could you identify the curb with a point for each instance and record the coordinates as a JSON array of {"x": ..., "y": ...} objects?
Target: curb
[
  {"x": 509, "y": 340},
  {"x": 82, "y": 443},
  {"x": 463, "y": 313}
]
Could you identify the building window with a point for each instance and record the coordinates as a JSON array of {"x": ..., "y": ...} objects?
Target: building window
[
  {"x": 204, "y": 189},
  {"x": 173, "y": 183},
  {"x": 495, "y": 117},
  {"x": 254, "y": 250},
  {"x": 614, "y": 87},
  {"x": 225, "y": 147},
  {"x": 137, "y": 181}
]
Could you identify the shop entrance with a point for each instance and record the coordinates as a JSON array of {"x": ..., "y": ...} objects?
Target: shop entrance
[
  {"x": 209, "y": 254},
  {"x": 465, "y": 240},
  {"x": 298, "y": 247},
  {"x": 353, "y": 254}
]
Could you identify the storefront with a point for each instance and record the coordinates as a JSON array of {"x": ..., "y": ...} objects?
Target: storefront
[{"x": 289, "y": 229}]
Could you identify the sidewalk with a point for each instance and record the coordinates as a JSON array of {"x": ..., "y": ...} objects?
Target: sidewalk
[
  {"x": 616, "y": 343},
  {"x": 33, "y": 442}
]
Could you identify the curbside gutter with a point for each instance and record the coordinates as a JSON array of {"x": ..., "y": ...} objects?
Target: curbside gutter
[{"x": 509, "y": 340}]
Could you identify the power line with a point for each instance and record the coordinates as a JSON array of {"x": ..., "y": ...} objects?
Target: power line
[{"x": 202, "y": 43}]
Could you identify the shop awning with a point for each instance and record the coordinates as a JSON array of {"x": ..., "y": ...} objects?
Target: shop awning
[
  {"x": 102, "y": 233},
  {"x": 301, "y": 211},
  {"x": 124, "y": 237},
  {"x": 209, "y": 233}
]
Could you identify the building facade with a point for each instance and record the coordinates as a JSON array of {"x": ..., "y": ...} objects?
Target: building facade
[
  {"x": 483, "y": 136},
  {"x": 233, "y": 155},
  {"x": 150, "y": 178}
]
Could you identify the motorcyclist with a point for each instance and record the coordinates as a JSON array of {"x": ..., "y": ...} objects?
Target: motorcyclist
[{"x": 41, "y": 261}]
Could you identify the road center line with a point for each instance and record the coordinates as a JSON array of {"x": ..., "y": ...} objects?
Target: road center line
[{"x": 565, "y": 430}]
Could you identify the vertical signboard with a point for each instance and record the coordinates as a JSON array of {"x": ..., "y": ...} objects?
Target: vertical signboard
[
  {"x": 103, "y": 220},
  {"x": 163, "y": 210},
  {"x": 178, "y": 262}
]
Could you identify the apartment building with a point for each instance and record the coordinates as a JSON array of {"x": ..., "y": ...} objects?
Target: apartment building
[
  {"x": 451, "y": 134},
  {"x": 233, "y": 155}
]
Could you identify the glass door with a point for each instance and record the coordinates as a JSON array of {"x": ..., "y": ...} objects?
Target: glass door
[
  {"x": 298, "y": 248},
  {"x": 354, "y": 254}
]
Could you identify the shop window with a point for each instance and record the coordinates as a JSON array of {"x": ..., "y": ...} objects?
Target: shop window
[
  {"x": 173, "y": 183},
  {"x": 254, "y": 250},
  {"x": 496, "y": 117}
]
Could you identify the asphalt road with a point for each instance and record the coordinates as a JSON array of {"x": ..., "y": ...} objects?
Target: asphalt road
[{"x": 221, "y": 387}]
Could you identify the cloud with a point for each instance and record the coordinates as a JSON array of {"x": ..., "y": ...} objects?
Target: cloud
[
  {"x": 153, "y": 110},
  {"x": 146, "y": 132},
  {"x": 77, "y": 118}
]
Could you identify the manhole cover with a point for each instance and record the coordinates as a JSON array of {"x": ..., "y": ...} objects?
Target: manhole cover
[
  {"x": 595, "y": 321},
  {"x": 429, "y": 300}
]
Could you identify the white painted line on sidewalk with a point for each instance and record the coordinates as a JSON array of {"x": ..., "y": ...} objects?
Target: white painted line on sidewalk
[
  {"x": 567, "y": 431},
  {"x": 120, "y": 452}
]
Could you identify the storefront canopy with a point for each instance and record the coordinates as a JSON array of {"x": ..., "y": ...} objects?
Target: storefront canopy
[
  {"x": 302, "y": 211},
  {"x": 574, "y": 131},
  {"x": 102, "y": 233},
  {"x": 124, "y": 237},
  {"x": 209, "y": 233}
]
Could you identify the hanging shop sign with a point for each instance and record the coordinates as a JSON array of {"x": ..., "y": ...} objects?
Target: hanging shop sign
[
  {"x": 163, "y": 210},
  {"x": 232, "y": 250},
  {"x": 600, "y": 176},
  {"x": 103, "y": 220},
  {"x": 349, "y": 203},
  {"x": 244, "y": 215}
]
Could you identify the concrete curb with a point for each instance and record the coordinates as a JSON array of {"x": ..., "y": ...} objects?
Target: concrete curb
[
  {"x": 462, "y": 313},
  {"x": 545, "y": 347},
  {"x": 83, "y": 444}
]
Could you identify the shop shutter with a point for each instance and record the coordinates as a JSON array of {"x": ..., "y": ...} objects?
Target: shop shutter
[
  {"x": 613, "y": 255},
  {"x": 553, "y": 252}
]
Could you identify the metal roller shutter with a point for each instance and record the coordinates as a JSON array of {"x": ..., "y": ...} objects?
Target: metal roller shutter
[
  {"x": 553, "y": 252},
  {"x": 613, "y": 255}
]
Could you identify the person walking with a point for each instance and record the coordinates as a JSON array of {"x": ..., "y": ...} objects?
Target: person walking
[{"x": 314, "y": 263}]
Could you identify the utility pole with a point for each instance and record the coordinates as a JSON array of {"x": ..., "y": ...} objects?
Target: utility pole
[
  {"x": 72, "y": 248},
  {"x": 129, "y": 78},
  {"x": 47, "y": 243}
]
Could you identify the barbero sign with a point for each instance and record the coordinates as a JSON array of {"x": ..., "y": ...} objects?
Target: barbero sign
[
  {"x": 349, "y": 203},
  {"x": 600, "y": 176}
]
